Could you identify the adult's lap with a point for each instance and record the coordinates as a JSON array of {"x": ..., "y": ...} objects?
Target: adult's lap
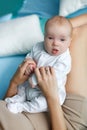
[{"x": 21, "y": 121}]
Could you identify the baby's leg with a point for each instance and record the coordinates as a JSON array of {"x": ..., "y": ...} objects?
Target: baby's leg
[
  {"x": 37, "y": 104},
  {"x": 20, "y": 97},
  {"x": 14, "y": 104},
  {"x": 31, "y": 93}
]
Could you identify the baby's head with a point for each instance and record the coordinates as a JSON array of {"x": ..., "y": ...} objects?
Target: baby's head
[{"x": 58, "y": 32}]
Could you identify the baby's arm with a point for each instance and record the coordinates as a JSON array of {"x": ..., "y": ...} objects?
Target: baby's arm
[
  {"x": 30, "y": 72},
  {"x": 31, "y": 62},
  {"x": 32, "y": 59}
]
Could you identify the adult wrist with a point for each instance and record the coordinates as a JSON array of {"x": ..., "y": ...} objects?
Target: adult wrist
[
  {"x": 52, "y": 99},
  {"x": 12, "y": 90},
  {"x": 13, "y": 83}
]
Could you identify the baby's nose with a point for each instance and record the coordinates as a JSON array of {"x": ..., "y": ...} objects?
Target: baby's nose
[{"x": 55, "y": 42}]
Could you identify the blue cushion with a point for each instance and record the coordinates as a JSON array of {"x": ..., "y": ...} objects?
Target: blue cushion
[
  {"x": 43, "y": 8},
  {"x": 8, "y": 66}
]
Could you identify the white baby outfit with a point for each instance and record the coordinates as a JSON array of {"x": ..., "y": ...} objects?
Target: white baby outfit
[{"x": 31, "y": 99}]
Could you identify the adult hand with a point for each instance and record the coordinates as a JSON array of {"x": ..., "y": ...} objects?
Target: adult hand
[
  {"x": 47, "y": 81},
  {"x": 48, "y": 84},
  {"x": 20, "y": 77}
]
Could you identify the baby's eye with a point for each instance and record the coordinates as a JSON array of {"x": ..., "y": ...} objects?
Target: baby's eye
[
  {"x": 50, "y": 38},
  {"x": 62, "y": 39}
]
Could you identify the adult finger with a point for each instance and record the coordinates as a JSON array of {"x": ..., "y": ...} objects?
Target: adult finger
[
  {"x": 23, "y": 66},
  {"x": 37, "y": 73},
  {"x": 42, "y": 71},
  {"x": 47, "y": 70},
  {"x": 52, "y": 71}
]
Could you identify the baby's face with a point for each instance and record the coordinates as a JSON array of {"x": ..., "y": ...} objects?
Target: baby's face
[{"x": 57, "y": 39}]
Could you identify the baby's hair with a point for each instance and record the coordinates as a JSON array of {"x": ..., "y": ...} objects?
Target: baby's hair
[{"x": 60, "y": 20}]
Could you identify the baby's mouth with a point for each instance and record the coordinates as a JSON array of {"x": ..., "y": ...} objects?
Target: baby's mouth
[{"x": 54, "y": 51}]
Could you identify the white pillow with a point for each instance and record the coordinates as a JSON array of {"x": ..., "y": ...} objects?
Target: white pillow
[
  {"x": 70, "y": 6},
  {"x": 18, "y": 35}
]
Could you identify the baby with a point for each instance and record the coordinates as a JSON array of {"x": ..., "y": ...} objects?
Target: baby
[{"x": 53, "y": 51}]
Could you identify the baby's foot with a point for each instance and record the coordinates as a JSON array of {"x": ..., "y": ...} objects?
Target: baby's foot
[
  {"x": 15, "y": 107},
  {"x": 14, "y": 99}
]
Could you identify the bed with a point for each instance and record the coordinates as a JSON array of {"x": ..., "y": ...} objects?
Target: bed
[{"x": 22, "y": 24}]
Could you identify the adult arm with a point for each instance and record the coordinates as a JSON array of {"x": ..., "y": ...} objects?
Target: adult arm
[
  {"x": 79, "y": 20},
  {"x": 48, "y": 84},
  {"x": 56, "y": 114},
  {"x": 18, "y": 78}
]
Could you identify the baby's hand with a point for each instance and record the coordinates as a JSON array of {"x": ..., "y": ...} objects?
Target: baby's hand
[{"x": 31, "y": 67}]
